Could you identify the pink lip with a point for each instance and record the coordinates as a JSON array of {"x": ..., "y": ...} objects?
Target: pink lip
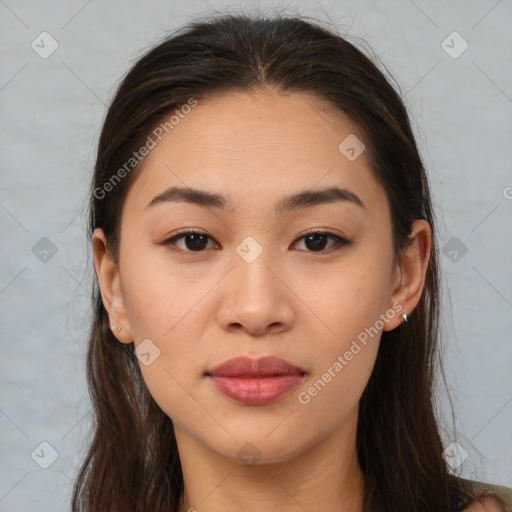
[{"x": 255, "y": 381}]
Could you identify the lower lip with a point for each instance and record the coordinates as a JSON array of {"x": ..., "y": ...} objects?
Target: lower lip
[{"x": 255, "y": 390}]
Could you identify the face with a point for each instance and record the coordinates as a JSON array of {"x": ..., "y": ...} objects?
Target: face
[{"x": 250, "y": 280}]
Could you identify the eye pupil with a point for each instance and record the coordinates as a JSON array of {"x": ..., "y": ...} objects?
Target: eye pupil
[
  {"x": 319, "y": 244},
  {"x": 198, "y": 241}
]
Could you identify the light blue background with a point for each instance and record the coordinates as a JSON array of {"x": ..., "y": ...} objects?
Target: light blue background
[{"x": 52, "y": 110}]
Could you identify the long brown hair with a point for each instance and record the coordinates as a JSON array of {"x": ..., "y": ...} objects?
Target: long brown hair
[{"x": 132, "y": 463}]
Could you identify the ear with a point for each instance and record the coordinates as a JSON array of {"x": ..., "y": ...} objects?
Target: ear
[
  {"x": 410, "y": 270},
  {"x": 109, "y": 281}
]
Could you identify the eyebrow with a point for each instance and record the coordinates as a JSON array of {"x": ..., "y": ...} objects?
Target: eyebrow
[{"x": 304, "y": 199}]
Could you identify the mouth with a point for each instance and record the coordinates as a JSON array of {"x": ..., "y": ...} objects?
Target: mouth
[{"x": 255, "y": 381}]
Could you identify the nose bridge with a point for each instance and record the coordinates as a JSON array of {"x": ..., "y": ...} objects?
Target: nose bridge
[
  {"x": 251, "y": 263},
  {"x": 255, "y": 298}
]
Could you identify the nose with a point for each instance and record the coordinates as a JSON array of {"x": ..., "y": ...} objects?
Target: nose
[{"x": 256, "y": 297}]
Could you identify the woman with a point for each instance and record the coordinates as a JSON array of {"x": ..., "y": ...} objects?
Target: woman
[{"x": 266, "y": 315}]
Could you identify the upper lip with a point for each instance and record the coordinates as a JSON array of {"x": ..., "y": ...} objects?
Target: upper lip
[{"x": 248, "y": 367}]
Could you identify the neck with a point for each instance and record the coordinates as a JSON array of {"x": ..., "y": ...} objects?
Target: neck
[{"x": 326, "y": 477}]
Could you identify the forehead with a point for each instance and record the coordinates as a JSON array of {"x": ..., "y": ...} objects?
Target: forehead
[{"x": 255, "y": 147}]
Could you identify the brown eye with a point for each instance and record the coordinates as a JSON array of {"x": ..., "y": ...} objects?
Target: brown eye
[
  {"x": 193, "y": 241},
  {"x": 316, "y": 241}
]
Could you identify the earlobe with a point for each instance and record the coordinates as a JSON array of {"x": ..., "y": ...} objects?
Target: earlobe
[
  {"x": 410, "y": 271},
  {"x": 111, "y": 292}
]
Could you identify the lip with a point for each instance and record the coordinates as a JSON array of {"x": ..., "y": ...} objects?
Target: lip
[{"x": 255, "y": 381}]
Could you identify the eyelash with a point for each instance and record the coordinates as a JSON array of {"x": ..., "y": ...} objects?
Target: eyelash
[{"x": 340, "y": 241}]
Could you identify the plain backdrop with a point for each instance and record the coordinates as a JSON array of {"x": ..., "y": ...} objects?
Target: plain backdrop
[{"x": 459, "y": 100}]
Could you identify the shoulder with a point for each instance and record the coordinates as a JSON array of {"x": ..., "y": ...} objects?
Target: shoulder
[
  {"x": 487, "y": 504},
  {"x": 487, "y": 497}
]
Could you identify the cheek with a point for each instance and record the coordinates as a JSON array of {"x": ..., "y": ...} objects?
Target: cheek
[
  {"x": 160, "y": 298},
  {"x": 352, "y": 307},
  {"x": 348, "y": 300},
  {"x": 168, "y": 386},
  {"x": 343, "y": 365}
]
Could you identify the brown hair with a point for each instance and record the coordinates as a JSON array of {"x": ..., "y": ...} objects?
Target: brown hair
[{"x": 132, "y": 462}]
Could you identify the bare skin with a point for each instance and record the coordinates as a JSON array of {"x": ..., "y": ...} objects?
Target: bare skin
[
  {"x": 487, "y": 504},
  {"x": 307, "y": 306}
]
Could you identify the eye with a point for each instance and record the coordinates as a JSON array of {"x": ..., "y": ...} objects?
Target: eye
[
  {"x": 317, "y": 240},
  {"x": 194, "y": 241}
]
